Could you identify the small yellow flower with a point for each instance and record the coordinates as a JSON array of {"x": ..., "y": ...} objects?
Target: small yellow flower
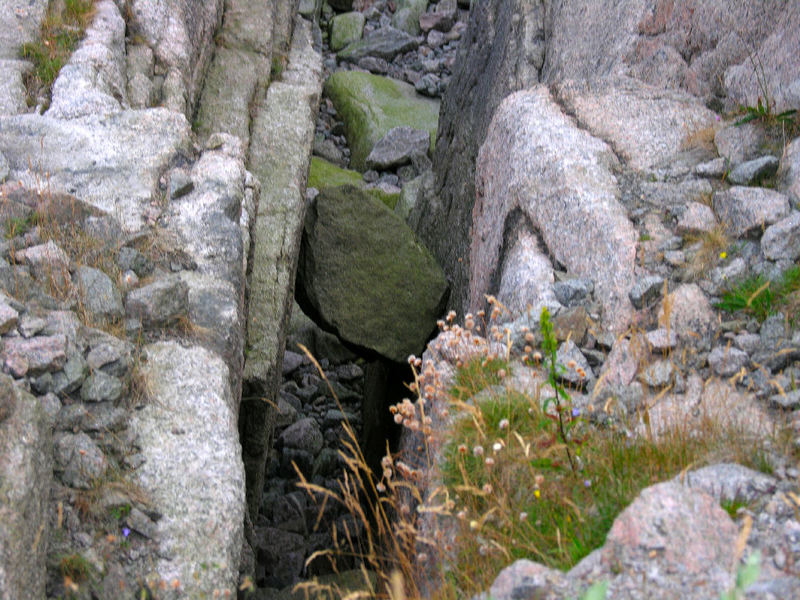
[
  {"x": 537, "y": 493},
  {"x": 723, "y": 255}
]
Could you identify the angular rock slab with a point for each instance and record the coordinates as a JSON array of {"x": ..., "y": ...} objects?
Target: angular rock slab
[
  {"x": 363, "y": 275},
  {"x": 371, "y": 105},
  {"x": 112, "y": 163},
  {"x": 535, "y": 161},
  {"x": 26, "y": 472},
  {"x": 645, "y": 125},
  {"x": 193, "y": 471}
]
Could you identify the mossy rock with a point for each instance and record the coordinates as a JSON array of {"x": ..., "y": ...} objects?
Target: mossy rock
[
  {"x": 371, "y": 105},
  {"x": 406, "y": 17},
  {"x": 346, "y": 28},
  {"x": 363, "y": 275},
  {"x": 324, "y": 174}
]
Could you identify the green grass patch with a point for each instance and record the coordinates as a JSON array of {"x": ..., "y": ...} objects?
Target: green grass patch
[
  {"x": 62, "y": 29},
  {"x": 15, "y": 226},
  {"x": 761, "y": 297}
]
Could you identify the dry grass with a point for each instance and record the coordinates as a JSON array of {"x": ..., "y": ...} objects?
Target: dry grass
[
  {"x": 706, "y": 251},
  {"x": 517, "y": 475}
]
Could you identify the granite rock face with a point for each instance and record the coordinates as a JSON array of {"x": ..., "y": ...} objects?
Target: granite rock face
[{"x": 535, "y": 161}]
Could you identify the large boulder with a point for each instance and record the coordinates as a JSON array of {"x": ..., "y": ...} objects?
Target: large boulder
[
  {"x": 371, "y": 105},
  {"x": 536, "y": 162},
  {"x": 324, "y": 174},
  {"x": 363, "y": 275}
]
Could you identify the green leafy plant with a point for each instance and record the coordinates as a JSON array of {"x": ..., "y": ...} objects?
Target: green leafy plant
[
  {"x": 762, "y": 297},
  {"x": 746, "y": 575},
  {"x": 763, "y": 111}
]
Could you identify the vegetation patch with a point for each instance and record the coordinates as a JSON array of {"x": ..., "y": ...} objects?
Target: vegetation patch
[
  {"x": 62, "y": 29},
  {"x": 761, "y": 297}
]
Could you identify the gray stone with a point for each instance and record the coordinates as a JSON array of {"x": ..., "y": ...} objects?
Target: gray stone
[
  {"x": 79, "y": 462},
  {"x": 303, "y": 435},
  {"x": 71, "y": 376},
  {"x": 748, "y": 342},
  {"x": 99, "y": 387},
  {"x": 386, "y": 43},
  {"x": 180, "y": 183},
  {"x": 282, "y": 553},
  {"x": 141, "y": 524},
  {"x": 697, "y": 218},
  {"x": 346, "y": 29},
  {"x": 92, "y": 418},
  {"x": 621, "y": 365},
  {"x": 646, "y": 290},
  {"x": 26, "y": 474},
  {"x": 573, "y": 291},
  {"x": 363, "y": 275},
  {"x": 522, "y": 168},
  {"x": 160, "y": 302},
  {"x": 772, "y": 331},
  {"x": 397, "y": 148},
  {"x": 8, "y": 318},
  {"x": 786, "y": 401},
  {"x": 35, "y": 355},
  {"x": 747, "y": 210},
  {"x": 291, "y": 362},
  {"x": 781, "y": 241},
  {"x": 712, "y": 169},
  {"x": 373, "y": 64},
  {"x": 109, "y": 354},
  {"x": 737, "y": 144},
  {"x": 729, "y": 482},
  {"x": 285, "y": 413},
  {"x": 688, "y": 313},
  {"x": 789, "y": 173},
  {"x": 3, "y": 168},
  {"x": 442, "y": 18},
  {"x": 726, "y": 361},
  {"x": 49, "y": 264},
  {"x": 130, "y": 259},
  {"x": 192, "y": 465},
  {"x": 658, "y": 374},
  {"x": 429, "y": 84},
  {"x": 407, "y": 15},
  {"x": 98, "y": 294},
  {"x": 752, "y": 171},
  {"x": 528, "y": 579},
  {"x": 30, "y": 325},
  {"x": 661, "y": 340},
  {"x": 724, "y": 276}
]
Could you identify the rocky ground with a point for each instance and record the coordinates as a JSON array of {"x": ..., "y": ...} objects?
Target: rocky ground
[{"x": 146, "y": 301}]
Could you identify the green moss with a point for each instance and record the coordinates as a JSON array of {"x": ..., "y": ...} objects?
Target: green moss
[
  {"x": 324, "y": 174},
  {"x": 371, "y": 105}
]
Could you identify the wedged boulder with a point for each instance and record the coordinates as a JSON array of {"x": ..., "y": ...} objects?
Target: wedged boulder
[
  {"x": 537, "y": 163},
  {"x": 398, "y": 147},
  {"x": 26, "y": 472},
  {"x": 645, "y": 125},
  {"x": 323, "y": 174},
  {"x": 371, "y": 105},
  {"x": 112, "y": 163},
  {"x": 363, "y": 275}
]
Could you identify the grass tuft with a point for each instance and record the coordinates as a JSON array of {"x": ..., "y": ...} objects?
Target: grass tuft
[{"x": 761, "y": 297}]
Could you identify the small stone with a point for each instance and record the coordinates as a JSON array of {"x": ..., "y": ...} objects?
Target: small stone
[
  {"x": 571, "y": 323},
  {"x": 346, "y": 28},
  {"x": 752, "y": 171},
  {"x": 713, "y": 169},
  {"x": 98, "y": 294},
  {"x": 429, "y": 85},
  {"x": 726, "y": 362},
  {"x": 397, "y": 148},
  {"x": 160, "y": 302},
  {"x": 658, "y": 374},
  {"x": 675, "y": 258},
  {"x": 573, "y": 291},
  {"x": 8, "y": 318},
  {"x": 80, "y": 462},
  {"x": 50, "y": 266},
  {"x": 577, "y": 371},
  {"x": 30, "y": 325},
  {"x": 661, "y": 340},
  {"x": 180, "y": 183},
  {"x": 141, "y": 524},
  {"x": 303, "y": 435},
  {"x": 786, "y": 401},
  {"x": 697, "y": 218},
  {"x": 747, "y": 342},
  {"x": 781, "y": 241},
  {"x": 39, "y": 354},
  {"x": 71, "y": 376},
  {"x": 130, "y": 259},
  {"x": 747, "y": 210},
  {"x": 291, "y": 362},
  {"x": 99, "y": 387},
  {"x": 646, "y": 290}
]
